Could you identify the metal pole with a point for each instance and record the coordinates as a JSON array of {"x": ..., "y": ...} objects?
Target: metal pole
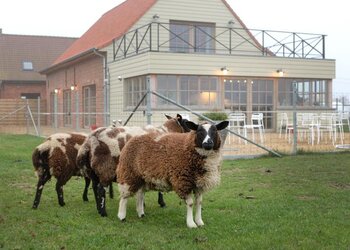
[
  {"x": 148, "y": 100},
  {"x": 27, "y": 116},
  {"x": 295, "y": 128},
  {"x": 76, "y": 110},
  {"x": 32, "y": 118},
  {"x": 132, "y": 113},
  {"x": 55, "y": 111},
  {"x": 39, "y": 128}
]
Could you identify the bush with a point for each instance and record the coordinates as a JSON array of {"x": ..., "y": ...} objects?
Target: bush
[{"x": 215, "y": 116}]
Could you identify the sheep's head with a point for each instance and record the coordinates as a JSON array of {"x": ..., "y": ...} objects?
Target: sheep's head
[
  {"x": 180, "y": 124},
  {"x": 207, "y": 136}
]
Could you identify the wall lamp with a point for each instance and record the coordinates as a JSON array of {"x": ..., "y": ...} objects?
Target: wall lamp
[
  {"x": 120, "y": 78},
  {"x": 73, "y": 87},
  {"x": 56, "y": 90},
  {"x": 280, "y": 72},
  {"x": 224, "y": 70},
  {"x": 155, "y": 17},
  {"x": 231, "y": 23}
]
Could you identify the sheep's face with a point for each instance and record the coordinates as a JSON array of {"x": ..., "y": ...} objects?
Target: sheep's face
[{"x": 207, "y": 136}]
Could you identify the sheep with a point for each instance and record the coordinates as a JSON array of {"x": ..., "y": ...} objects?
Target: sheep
[
  {"x": 56, "y": 156},
  {"x": 185, "y": 163},
  {"x": 99, "y": 155}
]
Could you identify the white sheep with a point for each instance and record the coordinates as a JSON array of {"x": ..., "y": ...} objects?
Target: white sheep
[{"x": 185, "y": 163}]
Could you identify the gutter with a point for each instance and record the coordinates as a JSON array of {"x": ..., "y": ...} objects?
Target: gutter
[{"x": 106, "y": 87}]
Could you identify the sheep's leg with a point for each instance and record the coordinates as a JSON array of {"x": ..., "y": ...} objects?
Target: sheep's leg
[
  {"x": 95, "y": 182},
  {"x": 87, "y": 184},
  {"x": 102, "y": 202},
  {"x": 59, "y": 190},
  {"x": 40, "y": 186},
  {"x": 124, "y": 194},
  {"x": 198, "y": 216},
  {"x": 189, "y": 218},
  {"x": 111, "y": 192},
  {"x": 140, "y": 199},
  {"x": 161, "y": 200}
]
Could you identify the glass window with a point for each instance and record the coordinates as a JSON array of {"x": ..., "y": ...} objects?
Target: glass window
[
  {"x": 192, "y": 37},
  {"x": 27, "y": 66},
  {"x": 193, "y": 91},
  {"x": 310, "y": 93},
  {"x": 89, "y": 105},
  {"x": 262, "y": 94},
  {"x": 235, "y": 94},
  {"x": 135, "y": 89},
  {"x": 67, "y": 108}
]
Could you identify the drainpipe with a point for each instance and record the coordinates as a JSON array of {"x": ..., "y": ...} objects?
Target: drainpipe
[{"x": 105, "y": 88}]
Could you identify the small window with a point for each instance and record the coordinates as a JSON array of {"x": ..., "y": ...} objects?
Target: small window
[{"x": 27, "y": 65}]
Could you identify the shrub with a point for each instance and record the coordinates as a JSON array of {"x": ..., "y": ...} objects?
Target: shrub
[{"x": 215, "y": 116}]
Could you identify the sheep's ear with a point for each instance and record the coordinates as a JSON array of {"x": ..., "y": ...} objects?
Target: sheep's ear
[
  {"x": 191, "y": 125},
  {"x": 179, "y": 117},
  {"x": 221, "y": 125},
  {"x": 168, "y": 117}
]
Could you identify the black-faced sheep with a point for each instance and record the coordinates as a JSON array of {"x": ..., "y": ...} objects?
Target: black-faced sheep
[
  {"x": 57, "y": 157},
  {"x": 99, "y": 155},
  {"x": 185, "y": 163}
]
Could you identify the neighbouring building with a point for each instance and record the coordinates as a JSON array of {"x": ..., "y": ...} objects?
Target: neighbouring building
[
  {"x": 197, "y": 53},
  {"x": 22, "y": 57}
]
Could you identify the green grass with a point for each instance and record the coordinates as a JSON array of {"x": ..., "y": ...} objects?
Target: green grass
[{"x": 300, "y": 202}]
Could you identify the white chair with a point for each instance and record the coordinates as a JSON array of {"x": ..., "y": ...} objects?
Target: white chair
[
  {"x": 237, "y": 123},
  {"x": 308, "y": 126},
  {"x": 284, "y": 124},
  {"x": 257, "y": 122}
]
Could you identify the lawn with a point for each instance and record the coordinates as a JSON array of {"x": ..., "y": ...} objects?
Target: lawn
[{"x": 300, "y": 202}]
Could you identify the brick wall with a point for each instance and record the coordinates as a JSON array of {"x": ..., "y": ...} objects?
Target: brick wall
[
  {"x": 83, "y": 73},
  {"x": 14, "y": 90}
]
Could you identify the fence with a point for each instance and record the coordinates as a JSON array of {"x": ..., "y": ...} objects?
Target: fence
[{"x": 250, "y": 133}]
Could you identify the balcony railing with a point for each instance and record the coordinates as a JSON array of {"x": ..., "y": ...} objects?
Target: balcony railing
[{"x": 159, "y": 37}]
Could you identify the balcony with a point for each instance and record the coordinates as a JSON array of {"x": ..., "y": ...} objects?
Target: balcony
[{"x": 210, "y": 39}]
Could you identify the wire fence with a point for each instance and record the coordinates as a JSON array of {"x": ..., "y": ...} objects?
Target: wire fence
[{"x": 249, "y": 133}]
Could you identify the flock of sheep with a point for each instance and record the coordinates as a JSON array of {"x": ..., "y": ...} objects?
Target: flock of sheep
[{"x": 178, "y": 156}]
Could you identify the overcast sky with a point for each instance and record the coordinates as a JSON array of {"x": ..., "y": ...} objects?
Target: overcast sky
[{"x": 71, "y": 18}]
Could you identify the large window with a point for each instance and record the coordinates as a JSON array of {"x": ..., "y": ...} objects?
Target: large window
[
  {"x": 194, "y": 91},
  {"x": 235, "y": 94},
  {"x": 262, "y": 99},
  {"x": 67, "y": 108},
  {"x": 192, "y": 37},
  {"x": 89, "y": 107},
  {"x": 310, "y": 93},
  {"x": 135, "y": 89}
]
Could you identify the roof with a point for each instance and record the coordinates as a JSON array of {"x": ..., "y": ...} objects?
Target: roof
[
  {"x": 111, "y": 25},
  {"x": 40, "y": 50}
]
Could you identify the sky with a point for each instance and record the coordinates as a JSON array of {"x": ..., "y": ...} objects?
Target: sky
[{"x": 72, "y": 18}]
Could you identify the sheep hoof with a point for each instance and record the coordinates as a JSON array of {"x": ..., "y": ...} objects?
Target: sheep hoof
[
  {"x": 123, "y": 220},
  {"x": 142, "y": 215},
  {"x": 191, "y": 225},
  {"x": 34, "y": 206},
  {"x": 62, "y": 204},
  {"x": 104, "y": 214}
]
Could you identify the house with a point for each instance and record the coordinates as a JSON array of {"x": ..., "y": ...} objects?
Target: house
[
  {"x": 21, "y": 59},
  {"x": 197, "y": 53}
]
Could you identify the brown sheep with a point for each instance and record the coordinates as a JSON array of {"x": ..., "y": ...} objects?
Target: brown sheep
[
  {"x": 186, "y": 163},
  {"x": 56, "y": 156},
  {"x": 99, "y": 155}
]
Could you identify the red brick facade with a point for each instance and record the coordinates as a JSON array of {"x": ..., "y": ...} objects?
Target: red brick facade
[
  {"x": 87, "y": 72},
  {"x": 14, "y": 90}
]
